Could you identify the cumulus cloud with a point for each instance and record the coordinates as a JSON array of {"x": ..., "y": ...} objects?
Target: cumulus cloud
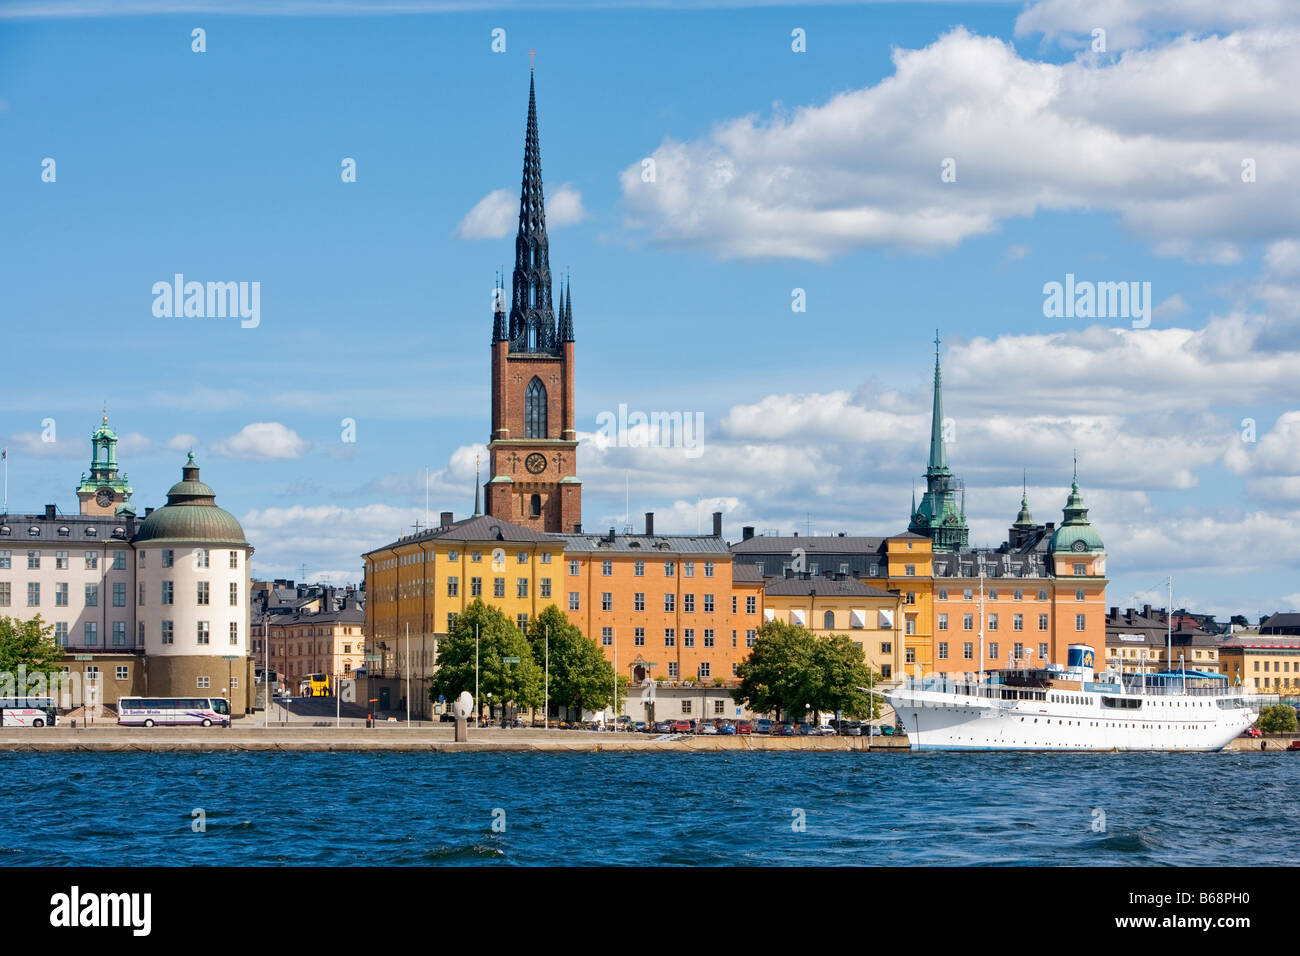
[
  {"x": 1157, "y": 136},
  {"x": 183, "y": 442},
  {"x": 496, "y": 215},
  {"x": 1130, "y": 22},
  {"x": 262, "y": 441}
]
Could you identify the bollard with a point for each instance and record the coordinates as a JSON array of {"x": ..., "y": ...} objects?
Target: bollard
[{"x": 74, "y": 723}]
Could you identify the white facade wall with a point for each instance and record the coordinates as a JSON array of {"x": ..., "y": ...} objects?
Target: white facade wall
[{"x": 185, "y": 613}]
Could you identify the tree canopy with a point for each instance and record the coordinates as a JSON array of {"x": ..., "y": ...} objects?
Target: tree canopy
[
  {"x": 1277, "y": 719},
  {"x": 581, "y": 677},
  {"x": 790, "y": 670},
  {"x": 498, "y": 639},
  {"x": 29, "y": 644}
]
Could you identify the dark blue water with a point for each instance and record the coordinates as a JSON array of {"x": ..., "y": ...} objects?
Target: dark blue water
[{"x": 404, "y": 809}]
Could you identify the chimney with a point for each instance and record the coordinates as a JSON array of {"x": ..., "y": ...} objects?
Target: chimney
[
  {"x": 49, "y": 512},
  {"x": 445, "y": 520},
  {"x": 717, "y": 524},
  {"x": 148, "y": 512},
  {"x": 1114, "y": 613},
  {"x": 649, "y": 524},
  {"x": 577, "y": 528},
  {"x": 1128, "y": 615},
  {"x": 747, "y": 532},
  {"x": 610, "y": 539},
  {"x": 1146, "y": 610}
]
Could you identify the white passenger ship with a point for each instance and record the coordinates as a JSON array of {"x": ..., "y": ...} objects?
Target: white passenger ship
[{"x": 1070, "y": 708}]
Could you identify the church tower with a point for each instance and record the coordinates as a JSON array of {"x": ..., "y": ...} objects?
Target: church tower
[
  {"x": 104, "y": 491},
  {"x": 532, "y": 454},
  {"x": 940, "y": 518}
]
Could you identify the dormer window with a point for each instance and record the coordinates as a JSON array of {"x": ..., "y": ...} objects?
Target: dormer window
[
  {"x": 34, "y": 531},
  {"x": 64, "y": 531},
  {"x": 91, "y": 532},
  {"x": 4, "y": 531}
]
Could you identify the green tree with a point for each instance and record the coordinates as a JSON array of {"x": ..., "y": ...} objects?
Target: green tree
[
  {"x": 581, "y": 676},
  {"x": 498, "y": 639},
  {"x": 778, "y": 675},
  {"x": 1277, "y": 719},
  {"x": 29, "y": 644},
  {"x": 841, "y": 671}
]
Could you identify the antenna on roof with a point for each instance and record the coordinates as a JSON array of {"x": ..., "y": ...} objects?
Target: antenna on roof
[{"x": 627, "y": 491}]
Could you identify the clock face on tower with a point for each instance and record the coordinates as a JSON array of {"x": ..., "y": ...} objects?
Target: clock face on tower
[
  {"x": 104, "y": 497},
  {"x": 535, "y": 463}
]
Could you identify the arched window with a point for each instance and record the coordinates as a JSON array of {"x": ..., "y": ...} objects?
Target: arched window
[
  {"x": 828, "y": 621},
  {"x": 535, "y": 506},
  {"x": 535, "y": 409}
]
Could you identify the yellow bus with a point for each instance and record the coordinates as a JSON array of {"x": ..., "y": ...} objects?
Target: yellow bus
[{"x": 314, "y": 685}]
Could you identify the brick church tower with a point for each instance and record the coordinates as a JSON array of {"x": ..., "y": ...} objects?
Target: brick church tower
[{"x": 533, "y": 449}]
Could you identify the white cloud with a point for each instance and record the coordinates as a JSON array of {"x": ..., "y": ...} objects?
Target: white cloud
[
  {"x": 183, "y": 442},
  {"x": 496, "y": 215},
  {"x": 262, "y": 441},
  {"x": 1157, "y": 136},
  {"x": 1130, "y": 22},
  {"x": 31, "y": 444}
]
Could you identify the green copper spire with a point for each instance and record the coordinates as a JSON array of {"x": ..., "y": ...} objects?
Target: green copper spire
[
  {"x": 1024, "y": 519},
  {"x": 1076, "y": 532},
  {"x": 940, "y": 517},
  {"x": 478, "y": 509}
]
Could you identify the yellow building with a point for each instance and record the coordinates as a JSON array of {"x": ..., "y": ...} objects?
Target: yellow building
[
  {"x": 834, "y": 605},
  {"x": 1265, "y": 663}
]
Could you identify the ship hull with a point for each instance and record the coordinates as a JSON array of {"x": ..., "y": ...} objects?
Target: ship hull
[{"x": 936, "y": 721}]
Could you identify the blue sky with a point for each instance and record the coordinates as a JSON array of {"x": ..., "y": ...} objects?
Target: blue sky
[{"x": 779, "y": 171}]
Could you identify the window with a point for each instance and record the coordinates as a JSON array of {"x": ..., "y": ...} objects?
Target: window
[
  {"x": 1042, "y": 595},
  {"x": 234, "y": 594},
  {"x": 670, "y": 637},
  {"x": 993, "y": 622},
  {"x": 968, "y": 651},
  {"x": 968, "y": 622},
  {"x": 521, "y": 622},
  {"x": 1042, "y": 622},
  {"x": 1080, "y": 570},
  {"x": 90, "y": 634},
  {"x": 92, "y": 672},
  {"x": 92, "y": 595},
  {"x": 535, "y": 409},
  {"x": 751, "y": 604},
  {"x": 5, "y": 559},
  {"x": 909, "y": 570},
  {"x": 6, "y": 593},
  {"x": 638, "y": 569},
  {"x": 909, "y": 655},
  {"x": 688, "y": 569},
  {"x": 1080, "y": 596},
  {"x": 1042, "y": 651},
  {"x": 119, "y": 594},
  {"x": 828, "y": 621},
  {"x": 706, "y": 670},
  {"x": 670, "y": 602},
  {"x": 688, "y": 637},
  {"x": 719, "y": 706},
  {"x": 967, "y": 595},
  {"x": 573, "y": 567},
  {"x": 606, "y": 601},
  {"x": 886, "y": 647},
  {"x": 1017, "y": 650},
  {"x": 943, "y": 594},
  {"x": 92, "y": 560},
  {"x": 499, "y": 587},
  {"x": 521, "y": 587},
  {"x": 203, "y": 683},
  {"x": 910, "y": 625},
  {"x": 140, "y": 558},
  {"x": 911, "y": 597},
  {"x": 204, "y": 589},
  {"x": 521, "y": 557},
  {"x": 943, "y": 622},
  {"x": 453, "y": 556},
  {"x": 670, "y": 569},
  {"x": 750, "y": 636},
  {"x": 606, "y": 568},
  {"x": 1018, "y": 594},
  {"x": 546, "y": 587},
  {"x": 234, "y": 632},
  {"x": 34, "y": 560},
  {"x": 1080, "y": 623},
  {"x": 708, "y": 569},
  {"x": 546, "y": 557},
  {"x": 638, "y": 637},
  {"x": 200, "y": 557},
  {"x": 234, "y": 560},
  {"x": 993, "y": 651},
  {"x": 168, "y": 557},
  {"x": 688, "y": 603},
  {"x": 607, "y": 636},
  {"x": 453, "y": 586},
  {"x": 167, "y": 634},
  {"x": 61, "y": 594},
  {"x": 708, "y": 637},
  {"x": 1017, "y": 622},
  {"x": 61, "y": 633},
  {"x": 202, "y": 632},
  {"x": 573, "y": 601},
  {"x": 943, "y": 650},
  {"x": 139, "y": 598},
  {"x": 119, "y": 633},
  {"x": 993, "y": 594},
  {"x": 475, "y": 587},
  {"x": 61, "y": 560}
]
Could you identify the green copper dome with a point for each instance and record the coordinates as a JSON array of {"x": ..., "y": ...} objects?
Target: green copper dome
[
  {"x": 191, "y": 515},
  {"x": 1076, "y": 533}
]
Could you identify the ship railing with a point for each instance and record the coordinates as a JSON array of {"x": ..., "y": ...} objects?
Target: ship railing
[
  {"x": 937, "y": 684},
  {"x": 1192, "y": 687}
]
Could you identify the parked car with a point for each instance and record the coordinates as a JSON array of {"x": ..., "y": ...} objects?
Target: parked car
[
  {"x": 638, "y": 726},
  {"x": 850, "y": 728},
  {"x": 726, "y": 727},
  {"x": 744, "y": 727},
  {"x": 681, "y": 727},
  {"x": 822, "y": 731},
  {"x": 1251, "y": 732},
  {"x": 663, "y": 726},
  {"x": 763, "y": 726},
  {"x": 783, "y": 730},
  {"x": 887, "y": 730},
  {"x": 875, "y": 730},
  {"x": 1294, "y": 745}
]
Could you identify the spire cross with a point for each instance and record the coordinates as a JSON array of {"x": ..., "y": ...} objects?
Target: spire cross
[
  {"x": 532, "y": 63},
  {"x": 936, "y": 343}
]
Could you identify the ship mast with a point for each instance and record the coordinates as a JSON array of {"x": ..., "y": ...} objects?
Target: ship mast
[
  {"x": 981, "y": 625},
  {"x": 1169, "y": 629}
]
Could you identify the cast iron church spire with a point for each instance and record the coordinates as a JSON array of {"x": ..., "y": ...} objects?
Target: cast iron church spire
[{"x": 532, "y": 321}]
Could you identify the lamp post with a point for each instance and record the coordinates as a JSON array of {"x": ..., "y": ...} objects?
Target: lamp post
[{"x": 266, "y": 669}]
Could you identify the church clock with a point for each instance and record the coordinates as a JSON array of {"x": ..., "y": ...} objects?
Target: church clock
[{"x": 535, "y": 463}]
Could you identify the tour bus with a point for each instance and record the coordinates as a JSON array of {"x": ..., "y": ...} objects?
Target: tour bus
[
  {"x": 27, "y": 712},
  {"x": 178, "y": 711},
  {"x": 314, "y": 685}
]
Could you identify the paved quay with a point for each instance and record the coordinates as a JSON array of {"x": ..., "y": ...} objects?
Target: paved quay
[{"x": 438, "y": 738}]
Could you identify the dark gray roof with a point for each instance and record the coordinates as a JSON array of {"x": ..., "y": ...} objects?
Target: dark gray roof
[
  {"x": 745, "y": 573},
  {"x": 483, "y": 528},
  {"x": 822, "y": 586},
  {"x": 348, "y": 615},
  {"x": 1288, "y": 623},
  {"x": 997, "y": 564},
  {"x": 1265, "y": 641},
  {"x": 652, "y": 545},
  {"x": 818, "y": 544},
  {"x": 65, "y": 528}
]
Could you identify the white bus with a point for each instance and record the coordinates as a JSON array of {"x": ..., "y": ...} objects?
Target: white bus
[
  {"x": 178, "y": 711},
  {"x": 27, "y": 712}
]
